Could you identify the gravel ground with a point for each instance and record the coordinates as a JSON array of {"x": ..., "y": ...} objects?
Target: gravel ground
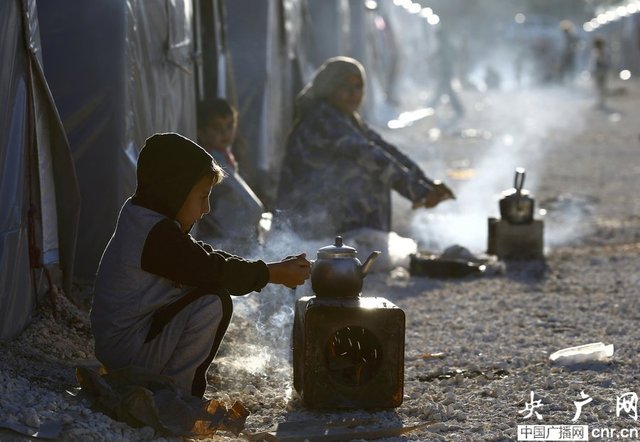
[{"x": 476, "y": 347}]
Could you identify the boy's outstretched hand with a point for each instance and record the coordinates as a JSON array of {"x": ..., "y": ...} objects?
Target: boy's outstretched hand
[{"x": 291, "y": 271}]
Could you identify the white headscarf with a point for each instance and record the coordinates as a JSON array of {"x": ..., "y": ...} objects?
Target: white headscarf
[{"x": 326, "y": 79}]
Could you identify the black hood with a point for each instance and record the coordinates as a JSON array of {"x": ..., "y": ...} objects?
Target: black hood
[{"x": 169, "y": 166}]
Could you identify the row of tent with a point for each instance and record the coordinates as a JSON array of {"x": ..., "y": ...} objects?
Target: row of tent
[{"x": 83, "y": 84}]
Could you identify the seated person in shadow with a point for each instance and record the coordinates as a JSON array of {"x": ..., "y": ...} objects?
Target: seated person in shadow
[
  {"x": 338, "y": 173},
  {"x": 236, "y": 211}
]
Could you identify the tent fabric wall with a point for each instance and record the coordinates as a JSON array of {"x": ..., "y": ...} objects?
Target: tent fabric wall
[
  {"x": 299, "y": 42},
  {"x": 266, "y": 77},
  {"x": 252, "y": 33},
  {"x": 37, "y": 173},
  {"x": 58, "y": 184},
  {"x": 161, "y": 70},
  {"x": 374, "y": 44},
  {"x": 330, "y": 28},
  {"x": 119, "y": 71},
  {"x": 84, "y": 64},
  {"x": 214, "y": 67},
  {"x": 16, "y": 300}
]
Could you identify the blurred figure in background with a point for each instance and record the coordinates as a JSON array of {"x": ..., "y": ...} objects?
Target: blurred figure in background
[
  {"x": 492, "y": 78},
  {"x": 544, "y": 61},
  {"x": 600, "y": 66},
  {"x": 236, "y": 211},
  {"x": 338, "y": 173},
  {"x": 567, "y": 62},
  {"x": 443, "y": 61}
]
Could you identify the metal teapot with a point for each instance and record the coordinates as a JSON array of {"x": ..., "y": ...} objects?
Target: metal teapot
[
  {"x": 516, "y": 205},
  {"x": 337, "y": 272}
]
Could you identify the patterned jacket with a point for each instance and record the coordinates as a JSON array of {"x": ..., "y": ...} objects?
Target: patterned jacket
[{"x": 337, "y": 175}]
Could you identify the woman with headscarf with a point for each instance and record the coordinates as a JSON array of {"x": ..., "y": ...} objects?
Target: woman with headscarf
[{"x": 338, "y": 173}]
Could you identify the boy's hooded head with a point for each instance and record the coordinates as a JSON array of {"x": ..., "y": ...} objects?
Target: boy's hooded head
[{"x": 169, "y": 165}]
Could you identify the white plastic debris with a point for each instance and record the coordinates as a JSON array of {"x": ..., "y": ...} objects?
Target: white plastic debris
[{"x": 583, "y": 354}]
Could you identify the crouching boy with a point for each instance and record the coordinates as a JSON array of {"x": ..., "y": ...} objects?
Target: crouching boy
[{"x": 162, "y": 299}]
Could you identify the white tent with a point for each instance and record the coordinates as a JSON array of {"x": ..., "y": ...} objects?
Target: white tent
[
  {"x": 119, "y": 71},
  {"x": 39, "y": 200}
]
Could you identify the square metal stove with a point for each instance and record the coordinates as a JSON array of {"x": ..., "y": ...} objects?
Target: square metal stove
[{"x": 348, "y": 352}]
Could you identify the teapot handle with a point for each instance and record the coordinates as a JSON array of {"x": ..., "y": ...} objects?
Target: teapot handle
[{"x": 518, "y": 181}]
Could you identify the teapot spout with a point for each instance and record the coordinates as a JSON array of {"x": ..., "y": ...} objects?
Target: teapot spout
[{"x": 369, "y": 262}]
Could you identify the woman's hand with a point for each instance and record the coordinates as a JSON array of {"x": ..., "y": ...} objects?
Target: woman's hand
[
  {"x": 291, "y": 271},
  {"x": 439, "y": 192}
]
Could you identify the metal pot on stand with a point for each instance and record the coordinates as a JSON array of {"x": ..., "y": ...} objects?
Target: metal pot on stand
[{"x": 517, "y": 204}]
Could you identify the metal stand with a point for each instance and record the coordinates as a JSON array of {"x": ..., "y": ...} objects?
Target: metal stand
[
  {"x": 516, "y": 241},
  {"x": 348, "y": 352}
]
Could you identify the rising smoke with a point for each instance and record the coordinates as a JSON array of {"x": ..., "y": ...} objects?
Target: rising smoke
[
  {"x": 263, "y": 321},
  {"x": 528, "y": 125}
]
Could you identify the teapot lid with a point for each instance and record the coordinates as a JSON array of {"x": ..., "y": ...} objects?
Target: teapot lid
[
  {"x": 337, "y": 250},
  {"x": 513, "y": 192}
]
